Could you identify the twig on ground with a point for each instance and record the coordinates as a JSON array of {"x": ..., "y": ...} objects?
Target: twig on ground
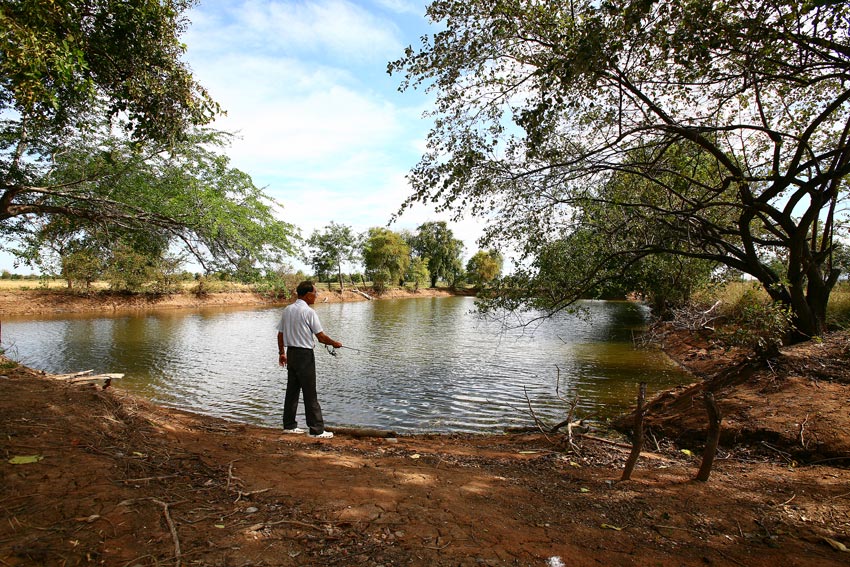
[
  {"x": 295, "y": 523},
  {"x": 251, "y": 493},
  {"x": 129, "y": 480},
  {"x": 173, "y": 529},
  {"x": 537, "y": 421},
  {"x": 230, "y": 476},
  {"x": 803, "y": 431},
  {"x": 437, "y": 548}
]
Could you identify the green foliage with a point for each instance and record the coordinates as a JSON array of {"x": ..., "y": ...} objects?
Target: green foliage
[
  {"x": 58, "y": 57},
  {"x": 436, "y": 242},
  {"x": 100, "y": 186},
  {"x": 685, "y": 127},
  {"x": 129, "y": 270},
  {"x": 484, "y": 267},
  {"x": 330, "y": 249},
  {"x": 417, "y": 272},
  {"x": 100, "y": 138},
  {"x": 386, "y": 257},
  {"x": 81, "y": 267},
  {"x": 279, "y": 284},
  {"x": 760, "y": 326}
]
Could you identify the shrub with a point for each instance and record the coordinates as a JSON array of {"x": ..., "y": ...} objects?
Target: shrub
[{"x": 758, "y": 325}]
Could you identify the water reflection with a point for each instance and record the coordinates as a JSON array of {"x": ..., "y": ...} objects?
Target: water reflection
[{"x": 425, "y": 364}]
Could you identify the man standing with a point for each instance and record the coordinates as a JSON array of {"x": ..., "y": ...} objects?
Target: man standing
[{"x": 298, "y": 324}]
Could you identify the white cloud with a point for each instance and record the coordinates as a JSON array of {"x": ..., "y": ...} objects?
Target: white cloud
[
  {"x": 321, "y": 126},
  {"x": 326, "y": 28}
]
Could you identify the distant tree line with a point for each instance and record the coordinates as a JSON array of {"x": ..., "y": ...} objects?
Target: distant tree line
[{"x": 423, "y": 258}]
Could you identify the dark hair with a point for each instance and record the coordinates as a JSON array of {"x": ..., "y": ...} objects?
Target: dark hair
[{"x": 304, "y": 288}]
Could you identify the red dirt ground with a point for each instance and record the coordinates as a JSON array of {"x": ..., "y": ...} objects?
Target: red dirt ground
[{"x": 121, "y": 482}]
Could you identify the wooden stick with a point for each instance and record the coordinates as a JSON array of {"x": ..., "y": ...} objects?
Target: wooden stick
[
  {"x": 713, "y": 436},
  {"x": 172, "y": 529},
  {"x": 638, "y": 440}
]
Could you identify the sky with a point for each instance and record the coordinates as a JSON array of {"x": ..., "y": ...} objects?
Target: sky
[{"x": 319, "y": 123}]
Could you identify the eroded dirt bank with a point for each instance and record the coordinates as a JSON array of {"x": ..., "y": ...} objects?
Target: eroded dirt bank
[{"x": 39, "y": 302}]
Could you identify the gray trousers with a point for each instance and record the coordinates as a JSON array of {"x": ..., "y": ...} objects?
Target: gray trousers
[{"x": 301, "y": 377}]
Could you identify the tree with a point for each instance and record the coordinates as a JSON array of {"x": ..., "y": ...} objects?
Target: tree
[
  {"x": 436, "y": 242},
  {"x": 82, "y": 266},
  {"x": 418, "y": 272},
  {"x": 484, "y": 267},
  {"x": 57, "y": 58},
  {"x": 737, "y": 115},
  {"x": 101, "y": 127},
  {"x": 386, "y": 256},
  {"x": 331, "y": 248},
  {"x": 100, "y": 186}
]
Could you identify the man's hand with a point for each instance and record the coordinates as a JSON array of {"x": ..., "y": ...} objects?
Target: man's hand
[{"x": 281, "y": 359}]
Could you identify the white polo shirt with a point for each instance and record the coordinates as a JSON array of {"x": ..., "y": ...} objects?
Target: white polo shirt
[{"x": 299, "y": 324}]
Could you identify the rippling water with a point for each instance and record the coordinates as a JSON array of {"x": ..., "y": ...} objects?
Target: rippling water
[{"x": 425, "y": 364}]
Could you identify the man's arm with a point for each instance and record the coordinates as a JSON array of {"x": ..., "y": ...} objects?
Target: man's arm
[
  {"x": 326, "y": 340},
  {"x": 281, "y": 349}
]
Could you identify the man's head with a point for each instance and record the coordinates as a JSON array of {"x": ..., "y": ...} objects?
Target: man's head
[{"x": 304, "y": 291}]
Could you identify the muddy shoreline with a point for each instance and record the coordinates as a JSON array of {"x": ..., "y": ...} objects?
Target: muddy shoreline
[{"x": 101, "y": 477}]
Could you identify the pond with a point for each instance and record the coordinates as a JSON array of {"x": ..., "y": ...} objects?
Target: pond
[{"x": 425, "y": 365}]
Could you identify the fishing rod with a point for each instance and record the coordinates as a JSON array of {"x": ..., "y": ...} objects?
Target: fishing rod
[{"x": 332, "y": 349}]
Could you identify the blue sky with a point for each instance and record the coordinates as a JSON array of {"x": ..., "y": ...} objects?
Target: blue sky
[{"x": 320, "y": 124}]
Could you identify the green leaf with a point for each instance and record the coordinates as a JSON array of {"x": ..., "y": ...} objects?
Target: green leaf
[{"x": 25, "y": 459}]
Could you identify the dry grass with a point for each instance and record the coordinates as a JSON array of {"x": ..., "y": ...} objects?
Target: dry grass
[
  {"x": 838, "y": 311},
  {"x": 12, "y": 285},
  {"x": 731, "y": 295},
  {"x": 212, "y": 286}
]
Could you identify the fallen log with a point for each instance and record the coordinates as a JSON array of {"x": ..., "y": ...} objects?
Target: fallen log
[{"x": 82, "y": 378}]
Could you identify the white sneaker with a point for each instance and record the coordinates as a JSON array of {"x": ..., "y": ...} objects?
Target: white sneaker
[
  {"x": 296, "y": 431},
  {"x": 323, "y": 435}
]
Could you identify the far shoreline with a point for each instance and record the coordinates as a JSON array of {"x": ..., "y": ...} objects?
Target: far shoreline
[{"x": 23, "y": 303}]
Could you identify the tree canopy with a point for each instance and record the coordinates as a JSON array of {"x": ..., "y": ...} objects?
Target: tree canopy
[
  {"x": 484, "y": 267},
  {"x": 102, "y": 138},
  {"x": 435, "y": 242},
  {"x": 331, "y": 248},
  {"x": 733, "y": 118},
  {"x": 57, "y": 57},
  {"x": 386, "y": 256},
  {"x": 99, "y": 188}
]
